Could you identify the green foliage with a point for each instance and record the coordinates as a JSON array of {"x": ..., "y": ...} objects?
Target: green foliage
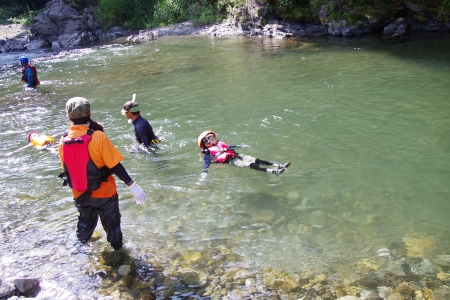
[
  {"x": 17, "y": 15},
  {"x": 441, "y": 9},
  {"x": 7, "y": 14},
  {"x": 151, "y": 13},
  {"x": 80, "y": 5},
  {"x": 296, "y": 10},
  {"x": 204, "y": 12},
  {"x": 168, "y": 12}
]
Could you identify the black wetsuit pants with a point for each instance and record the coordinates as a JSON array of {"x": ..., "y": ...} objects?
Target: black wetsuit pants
[{"x": 108, "y": 211}]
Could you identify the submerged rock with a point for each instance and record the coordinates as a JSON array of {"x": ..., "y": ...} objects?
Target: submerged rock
[
  {"x": 419, "y": 246},
  {"x": 124, "y": 270},
  {"x": 28, "y": 287}
]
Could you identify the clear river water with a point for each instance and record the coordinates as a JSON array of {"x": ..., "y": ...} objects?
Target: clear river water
[{"x": 365, "y": 123}]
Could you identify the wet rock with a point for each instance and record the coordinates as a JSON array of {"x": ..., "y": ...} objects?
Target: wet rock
[
  {"x": 28, "y": 287},
  {"x": 276, "y": 280},
  {"x": 421, "y": 267},
  {"x": 318, "y": 219},
  {"x": 444, "y": 276},
  {"x": 395, "y": 296},
  {"x": 369, "y": 295},
  {"x": 442, "y": 260},
  {"x": 192, "y": 277},
  {"x": 396, "y": 268},
  {"x": 396, "y": 28},
  {"x": 277, "y": 31},
  {"x": 124, "y": 270},
  {"x": 265, "y": 215},
  {"x": 6, "y": 289},
  {"x": 418, "y": 295},
  {"x": 335, "y": 28},
  {"x": 343, "y": 290},
  {"x": 404, "y": 289},
  {"x": 293, "y": 195},
  {"x": 142, "y": 36},
  {"x": 12, "y": 45},
  {"x": 419, "y": 245},
  {"x": 37, "y": 44}
]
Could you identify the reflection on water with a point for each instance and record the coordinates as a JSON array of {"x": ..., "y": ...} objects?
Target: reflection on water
[{"x": 362, "y": 209}]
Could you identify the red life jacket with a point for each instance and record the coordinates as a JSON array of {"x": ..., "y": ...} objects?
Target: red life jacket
[
  {"x": 33, "y": 69},
  {"x": 80, "y": 172},
  {"x": 220, "y": 152}
]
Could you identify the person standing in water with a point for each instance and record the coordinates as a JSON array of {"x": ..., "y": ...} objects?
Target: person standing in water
[
  {"x": 29, "y": 73},
  {"x": 143, "y": 131},
  {"x": 89, "y": 159},
  {"x": 219, "y": 152}
]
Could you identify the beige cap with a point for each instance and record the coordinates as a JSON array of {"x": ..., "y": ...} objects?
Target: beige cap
[{"x": 78, "y": 107}]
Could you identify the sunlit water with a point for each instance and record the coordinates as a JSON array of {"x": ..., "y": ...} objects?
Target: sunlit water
[{"x": 364, "y": 122}]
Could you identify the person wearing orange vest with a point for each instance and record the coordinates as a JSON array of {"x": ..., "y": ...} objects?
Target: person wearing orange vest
[
  {"x": 219, "y": 152},
  {"x": 81, "y": 151},
  {"x": 29, "y": 73}
]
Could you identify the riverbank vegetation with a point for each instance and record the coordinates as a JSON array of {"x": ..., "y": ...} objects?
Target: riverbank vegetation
[
  {"x": 139, "y": 14},
  {"x": 19, "y": 11}
]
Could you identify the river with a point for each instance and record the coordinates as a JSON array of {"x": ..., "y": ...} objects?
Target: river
[{"x": 365, "y": 123}]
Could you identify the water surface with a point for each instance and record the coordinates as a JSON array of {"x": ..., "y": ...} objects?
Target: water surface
[{"x": 364, "y": 122}]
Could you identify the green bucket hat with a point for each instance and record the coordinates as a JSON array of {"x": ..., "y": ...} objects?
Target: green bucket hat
[{"x": 78, "y": 107}]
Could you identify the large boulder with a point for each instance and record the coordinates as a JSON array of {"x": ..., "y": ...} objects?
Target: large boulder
[
  {"x": 396, "y": 28},
  {"x": 62, "y": 26}
]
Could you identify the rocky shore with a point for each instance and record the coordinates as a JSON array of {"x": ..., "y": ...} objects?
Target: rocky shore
[
  {"x": 392, "y": 272},
  {"x": 61, "y": 26}
]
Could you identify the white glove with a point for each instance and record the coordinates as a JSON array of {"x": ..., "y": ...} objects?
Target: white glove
[
  {"x": 203, "y": 176},
  {"x": 138, "y": 193}
]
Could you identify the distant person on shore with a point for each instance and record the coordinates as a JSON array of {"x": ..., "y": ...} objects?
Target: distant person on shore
[
  {"x": 143, "y": 131},
  {"x": 89, "y": 159},
  {"x": 29, "y": 73},
  {"x": 219, "y": 152}
]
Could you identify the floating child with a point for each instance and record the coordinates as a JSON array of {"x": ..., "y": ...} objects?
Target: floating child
[
  {"x": 219, "y": 152},
  {"x": 39, "y": 141},
  {"x": 42, "y": 141}
]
